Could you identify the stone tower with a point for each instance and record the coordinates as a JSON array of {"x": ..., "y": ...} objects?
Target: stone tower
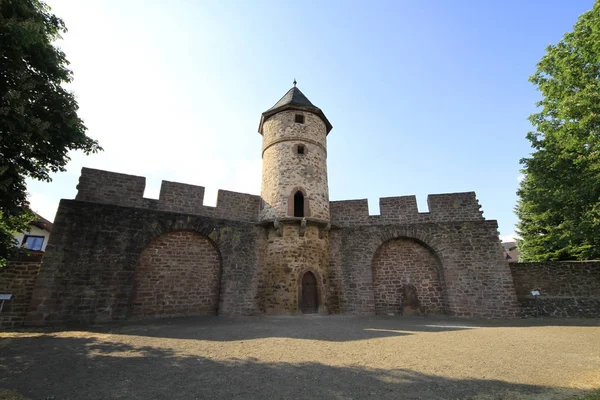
[{"x": 294, "y": 207}]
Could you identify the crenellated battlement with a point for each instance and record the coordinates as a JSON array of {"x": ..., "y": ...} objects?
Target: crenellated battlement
[
  {"x": 447, "y": 207},
  {"x": 106, "y": 187}
]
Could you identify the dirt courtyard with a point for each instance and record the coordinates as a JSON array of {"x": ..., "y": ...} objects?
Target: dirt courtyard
[{"x": 305, "y": 357}]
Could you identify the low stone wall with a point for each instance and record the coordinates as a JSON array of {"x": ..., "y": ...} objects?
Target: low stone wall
[
  {"x": 567, "y": 288},
  {"x": 18, "y": 279}
]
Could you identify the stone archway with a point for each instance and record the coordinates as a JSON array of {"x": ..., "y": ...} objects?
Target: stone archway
[
  {"x": 178, "y": 273},
  {"x": 407, "y": 277}
]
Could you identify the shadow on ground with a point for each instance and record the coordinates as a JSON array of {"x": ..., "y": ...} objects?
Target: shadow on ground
[
  {"x": 327, "y": 328},
  {"x": 50, "y": 367},
  {"x": 324, "y": 328}
]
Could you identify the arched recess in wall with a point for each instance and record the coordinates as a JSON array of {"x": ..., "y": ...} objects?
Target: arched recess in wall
[
  {"x": 298, "y": 204},
  {"x": 407, "y": 278},
  {"x": 178, "y": 273}
]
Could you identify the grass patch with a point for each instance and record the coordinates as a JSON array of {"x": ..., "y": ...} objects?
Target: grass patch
[
  {"x": 11, "y": 395},
  {"x": 593, "y": 396}
]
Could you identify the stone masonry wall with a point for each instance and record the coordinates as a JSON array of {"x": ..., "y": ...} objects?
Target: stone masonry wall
[
  {"x": 180, "y": 197},
  {"x": 449, "y": 207},
  {"x": 477, "y": 280},
  {"x": 286, "y": 259},
  {"x": 93, "y": 252},
  {"x": 18, "y": 279},
  {"x": 284, "y": 171},
  {"x": 177, "y": 274},
  {"x": 282, "y": 127},
  {"x": 335, "y": 295},
  {"x": 111, "y": 188},
  {"x": 106, "y": 187},
  {"x": 567, "y": 288},
  {"x": 401, "y": 262}
]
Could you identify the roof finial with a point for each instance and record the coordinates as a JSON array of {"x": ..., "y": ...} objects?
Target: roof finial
[{"x": 295, "y": 82}]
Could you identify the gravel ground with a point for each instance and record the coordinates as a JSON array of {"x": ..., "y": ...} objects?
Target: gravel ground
[{"x": 305, "y": 357}]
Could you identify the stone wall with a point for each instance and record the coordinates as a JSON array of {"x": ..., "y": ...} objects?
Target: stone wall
[
  {"x": 399, "y": 263},
  {"x": 106, "y": 187},
  {"x": 335, "y": 283},
  {"x": 177, "y": 274},
  {"x": 285, "y": 171},
  {"x": 17, "y": 278},
  {"x": 111, "y": 188},
  {"x": 450, "y": 207},
  {"x": 477, "y": 280},
  {"x": 567, "y": 288},
  {"x": 287, "y": 258},
  {"x": 114, "y": 254},
  {"x": 180, "y": 197},
  {"x": 91, "y": 259}
]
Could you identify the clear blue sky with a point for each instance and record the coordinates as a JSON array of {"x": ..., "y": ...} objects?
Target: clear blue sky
[{"x": 424, "y": 96}]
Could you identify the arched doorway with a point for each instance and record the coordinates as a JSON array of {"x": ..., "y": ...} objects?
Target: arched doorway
[
  {"x": 310, "y": 294},
  {"x": 178, "y": 273},
  {"x": 407, "y": 278}
]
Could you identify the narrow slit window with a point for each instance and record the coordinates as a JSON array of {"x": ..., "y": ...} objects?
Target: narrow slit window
[
  {"x": 299, "y": 118},
  {"x": 298, "y": 204},
  {"x": 300, "y": 149}
]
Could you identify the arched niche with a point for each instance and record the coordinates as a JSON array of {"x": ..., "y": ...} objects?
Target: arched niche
[
  {"x": 407, "y": 278},
  {"x": 178, "y": 273}
]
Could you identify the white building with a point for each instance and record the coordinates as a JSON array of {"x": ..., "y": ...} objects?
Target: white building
[{"x": 36, "y": 238}]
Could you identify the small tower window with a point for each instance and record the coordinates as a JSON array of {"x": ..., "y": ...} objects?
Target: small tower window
[
  {"x": 299, "y": 118},
  {"x": 300, "y": 149},
  {"x": 298, "y": 204}
]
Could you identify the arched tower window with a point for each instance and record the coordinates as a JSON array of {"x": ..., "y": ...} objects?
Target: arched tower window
[{"x": 298, "y": 204}]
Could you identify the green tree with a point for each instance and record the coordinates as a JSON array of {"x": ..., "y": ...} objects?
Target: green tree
[
  {"x": 559, "y": 198},
  {"x": 38, "y": 116}
]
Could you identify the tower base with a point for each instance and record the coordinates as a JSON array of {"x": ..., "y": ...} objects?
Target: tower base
[{"x": 294, "y": 269}]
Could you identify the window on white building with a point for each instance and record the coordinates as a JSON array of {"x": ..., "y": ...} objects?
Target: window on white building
[{"x": 33, "y": 242}]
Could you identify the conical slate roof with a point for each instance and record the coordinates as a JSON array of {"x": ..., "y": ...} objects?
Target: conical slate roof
[{"x": 294, "y": 99}]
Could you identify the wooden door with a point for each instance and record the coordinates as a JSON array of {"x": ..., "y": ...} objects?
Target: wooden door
[{"x": 310, "y": 295}]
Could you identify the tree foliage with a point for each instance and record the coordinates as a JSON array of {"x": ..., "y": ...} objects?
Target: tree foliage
[
  {"x": 559, "y": 204},
  {"x": 38, "y": 116}
]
